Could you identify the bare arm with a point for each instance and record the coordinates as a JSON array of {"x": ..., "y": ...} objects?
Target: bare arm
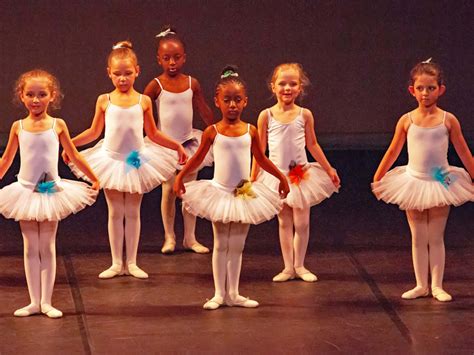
[
  {"x": 73, "y": 154},
  {"x": 460, "y": 145},
  {"x": 199, "y": 103},
  {"x": 10, "y": 150},
  {"x": 394, "y": 149},
  {"x": 262, "y": 125},
  {"x": 315, "y": 149}
]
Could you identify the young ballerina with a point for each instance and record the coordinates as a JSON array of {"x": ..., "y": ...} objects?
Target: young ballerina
[
  {"x": 126, "y": 165},
  {"x": 230, "y": 201},
  {"x": 40, "y": 198},
  {"x": 428, "y": 185},
  {"x": 176, "y": 96},
  {"x": 288, "y": 129}
]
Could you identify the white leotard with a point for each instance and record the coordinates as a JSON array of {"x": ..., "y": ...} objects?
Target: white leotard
[{"x": 175, "y": 113}]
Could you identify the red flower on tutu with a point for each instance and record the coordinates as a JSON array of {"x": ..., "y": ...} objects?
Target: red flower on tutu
[{"x": 297, "y": 173}]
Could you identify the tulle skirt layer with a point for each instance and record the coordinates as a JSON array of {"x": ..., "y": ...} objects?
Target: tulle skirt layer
[
  {"x": 210, "y": 200},
  {"x": 156, "y": 164},
  {"x": 415, "y": 191},
  {"x": 22, "y": 203}
]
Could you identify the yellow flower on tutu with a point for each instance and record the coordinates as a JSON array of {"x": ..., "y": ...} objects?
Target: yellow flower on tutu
[{"x": 244, "y": 190}]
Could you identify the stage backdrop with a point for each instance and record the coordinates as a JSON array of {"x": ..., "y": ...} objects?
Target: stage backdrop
[{"x": 357, "y": 54}]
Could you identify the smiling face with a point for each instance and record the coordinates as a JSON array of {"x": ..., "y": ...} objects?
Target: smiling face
[
  {"x": 171, "y": 57},
  {"x": 37, "y": 95},
  {"x": 231, "y": 99},
  {"x": 287, "y": 86},
  {"x": 426, "y": 90},
  {"x": 123, "y": 72}
]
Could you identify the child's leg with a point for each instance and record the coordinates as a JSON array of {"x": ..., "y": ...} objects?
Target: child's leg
[
  {"x": 418, "y": 222},
  {"x": 285, "y": 228},
  {"x": 31, "y": 259},
  {"x": 168, "y": 213},
  {"x": 132, "y": 233},
  {"x": 301, "y": 221},
  {"x": 437, "y": 218},
  {"x": 47, "y": 242},
  {"x": 189, "y": 221},
  {"x": 115, "y": 203}
]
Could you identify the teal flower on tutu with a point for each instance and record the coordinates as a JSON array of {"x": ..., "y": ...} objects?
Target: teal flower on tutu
[
  {"x": 47, "y": 185},
  {"x": 134, "y": 160},
  {"x": 443, "y": 176}
]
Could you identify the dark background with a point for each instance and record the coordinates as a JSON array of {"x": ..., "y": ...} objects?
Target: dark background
[{"x": 357, "y": 54}]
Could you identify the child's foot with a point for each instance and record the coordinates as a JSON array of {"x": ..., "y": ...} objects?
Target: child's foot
[
  {"x": 196, "y": 247},
  {"x": 214, "y": 303},
  {"x": 114, "y": 270},
  {"x": 135, "y": 271},
  {"x": 285, "y": 275},
  {"x": 241, "y": 301},
  {"x": 50, "y": 311},
  {"x": 27, "y": 311},
  {"x": 416, "y": 292},
  {"x": 305, "y": 275},
  {"x": 441, "y": 295},
  {"x": 168, "y": 246}
]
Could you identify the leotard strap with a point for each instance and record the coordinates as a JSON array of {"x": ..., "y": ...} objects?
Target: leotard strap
[
  {"x": 409, "y": 117},
  {"x": 159, "y": 83},
  {"x": 444, "y": 117},
  {"x": 215, "y": 127},
  {"x": 248, "y": 127},
  {"x": 21, "y": 124},
  {"x": 190, "y": 81},
  {"x": 140, "y": 99}
]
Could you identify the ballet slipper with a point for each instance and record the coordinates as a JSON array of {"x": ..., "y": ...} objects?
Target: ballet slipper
[
  {"x": 284, "y": 276},
  {"x": 305, "y": 275},
  {"x": 168, "y": 246},
  {"x": 114, "y": 270},
  {"x": 135, "y": 271},
  {"x": 27, "y": 311},
  {"x": 416, "y": 292},
  {"x": 51, "y": 312},
  {"x": 241, "y": 301},
  {"x": 214, "y": 303},
  {"x": 441, "y": 295},
  {"x": 196, "y": 247}
]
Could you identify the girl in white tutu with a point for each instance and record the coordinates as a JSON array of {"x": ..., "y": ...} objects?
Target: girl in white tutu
[
  {"x": 40, "y": 198},
  {"x": 176, "y": 96},
  {"x": 288, "y": 129},
  {"x": 127, "y": 166},
  {"x": 428, "y": 185},
  {"x": 229, "y": 200}
]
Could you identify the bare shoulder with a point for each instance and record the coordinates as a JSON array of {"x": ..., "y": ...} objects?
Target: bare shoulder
[
  {"x": 404, "y": 122},
  {"x": 209, "y": 133},
  {"x": 195, "y": 85},
  {"x": 263, "y": 117},
  {"x": 152, "y": 89},
  {"x": 307, "y": 115},
  {"x": 15, "y": 127},
  {"x": 103, "y": 101},
  {"x": 253, "y": 130},
  {"x": 451, "y": 121}
]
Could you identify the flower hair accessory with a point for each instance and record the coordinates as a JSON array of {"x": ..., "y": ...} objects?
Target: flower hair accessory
[
  {"x": 244, "y": 190},
  {"x": 228, "y": 73},
  {"x": 165, "y": 33},
  {"x": 119, "y": 45},
  {"x": 428, "y": 61},
  {"x": 297, "y": 173}
]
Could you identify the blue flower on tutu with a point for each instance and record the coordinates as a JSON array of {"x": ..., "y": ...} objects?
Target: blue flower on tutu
[
  {"x": 46, "y": 187},
  {"x": 443, "y": 176},
  {"x": 134, "y": 160}
]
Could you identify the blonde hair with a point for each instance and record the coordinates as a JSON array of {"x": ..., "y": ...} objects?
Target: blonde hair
[
  {"x": 122, "y": 49},
  {"x": 304, "y": 81},
  {"x": 53, "y": 86}
]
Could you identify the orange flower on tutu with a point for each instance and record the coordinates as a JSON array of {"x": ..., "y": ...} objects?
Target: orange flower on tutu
[
  {"x": 244, "y": 190},
  {"x": 297, "y": 173}
]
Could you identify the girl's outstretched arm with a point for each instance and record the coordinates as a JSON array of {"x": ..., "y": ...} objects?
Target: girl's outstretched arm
[
  {"x": 262, "y": 125},
  {"x": 73, "y": 154},
  {"x": 208, "y": 137},
  {"x": 10, "y": 150},
  {"x": 200, "y": 104},
  {"x": 315, "y": 149},
  {"x": 266, "y": 163},
  {"x": 394, "y": 149},
  {"x": 96, "y": 128},
  {"x": 156, "y": 135},
  {"x": 459, "y": 143}
]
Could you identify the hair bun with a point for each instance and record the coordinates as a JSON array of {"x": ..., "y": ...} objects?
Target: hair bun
[
  {"x": 123, "y": 44},
  {"x": 229, "y": 70}
]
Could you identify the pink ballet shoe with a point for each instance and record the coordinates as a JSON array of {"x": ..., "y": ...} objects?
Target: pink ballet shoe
[
  {"x": 241, "y": 301},
  {"x": 214, "y": 303},
  {"x": 196, "y": 247},
  {"x": 284, "y": 276},
  {"x": 27, "y": 311},
  {"x": 135, "y": 271},
  {"x": 306, "y": 275},
  {"x": 168, "y": 246},
  {"x": 51, "y": 312},
  {"x": 441, "y": 295},
  {"x": 111, "y": 272},
  {"x": 414, "y": 293}
]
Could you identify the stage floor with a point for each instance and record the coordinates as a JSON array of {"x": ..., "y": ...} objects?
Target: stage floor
[{"x": 359, "y": 248}]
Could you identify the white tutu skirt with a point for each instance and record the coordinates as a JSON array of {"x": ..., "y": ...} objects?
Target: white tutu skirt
[
  {"x": 316, "y": 187},
  {"x": 208, "y": 199},
  {"x": 190, "y": 147},
  {"x": 415, "y": 191},
  {"x": 21, "y": 203},
  {"x": 114, "y": 173}
]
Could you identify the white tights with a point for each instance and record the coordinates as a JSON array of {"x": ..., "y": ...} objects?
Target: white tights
[
  {"x": 124, "y": 220},
  {"x": 168, "y": 212},
  {"x": 427, "y": 230},
  {"x": 39, "y": 240},
  {"x": 229, "y": 242},
  {"x": 294, "y": 236}
]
